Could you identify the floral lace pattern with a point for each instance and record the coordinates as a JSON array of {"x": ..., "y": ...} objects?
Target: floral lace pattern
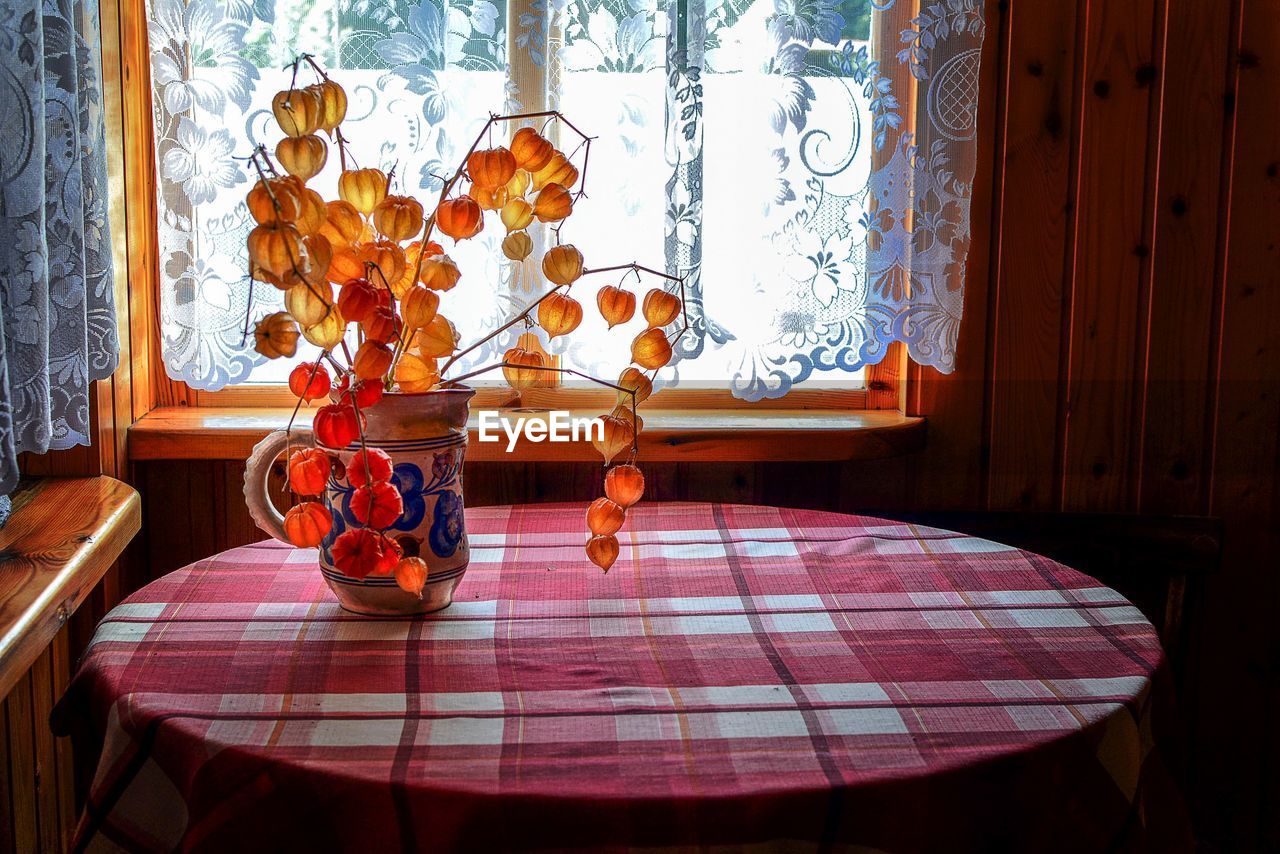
[
  {"x": 765, "y": 145},
  {"x": 56, "y": 288}
]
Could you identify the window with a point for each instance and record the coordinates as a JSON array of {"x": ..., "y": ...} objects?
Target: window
[{"x": 806, "y": 164}]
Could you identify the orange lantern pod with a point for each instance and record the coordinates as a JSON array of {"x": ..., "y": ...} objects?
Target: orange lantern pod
[
  {"x": 343, "y": 224},
  {"x": 302, "y": 156},
  {"x": 660, "y": 307},
  {"x": 311, "y": 211},
  {"x": 517, "y": 186},
  {"x": 618, "y": 436},
  {"x": 651, "y": 349},
  {"x": 307, "y": 524},
  {"x": 333, "y": 104},
  {"x": 605, "y": 517},
  {"x": 335, "y": 426},
  {"x": 623, "y": 411},
  {"x": 261, "y": 275},
  {"x": 266, "y": 195},
  {"x": 347, "y": 263},
  {"x": 363, "y": 188},
  {"x": 415, "y": 374},
  {"x": 488, "y": 199},
  {"x": 418, "y": 306},
  {"x": 275, "y": 248},
  {"x": 460, "y": 218},
  {"x": 517, "y": 214},
  {"x": 633, "y": 379},
  {"x": 309, "y": 303},
  {"x": 411, "y": 575},
  {"x": 603, "y": 551},
  {"x": 437, "y": 339},
  {"x": 377, "y": 505},
  {"x": 617, "y": 305},
  {"x": 557, "y": 171},
  {"x": 297, "y": 111},
  {"x": 308, "y": 470},
  {"x": 360, "y": 552},
  {"x": 491, "y": 168},
  {"x": 559, "y": 314},
  {"x": 369, "y": 465},
  {"x": 372, "y": 360},
  {"x": 398, "y": 217},
  {"x": 553, "y": 203},
  {"x": 520, "y": 371},
  {"x": 313, "y": 263},
  {"x": 388, "y": 261},
  {"x": 329, "y": 332},
  {"x": 531, "y": 150},
  {"x": 357, "y": 298},
  {"x": 309, "y": 381},
  {"x": 517, "y": 245},
  {"x": 381, "y": 324},
  {"x": 624, "y": 484},
  {"x": 439, "y": 273},
  {"x": 562, "y": 264},
  {"x": 276, "y": 335}
]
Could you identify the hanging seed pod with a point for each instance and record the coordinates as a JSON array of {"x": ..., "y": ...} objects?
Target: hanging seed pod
[
  {"x": 603, "y": 551},
  {"x": 651, "y": 349},
  {"x": 437, "y": 339},
  {"x": 557, "y": 171},
  {"x": 616, "y": 304},
  {"x": 517, "y": 214},
  {"x": 521, "y": 371},
  {"x": 491, "y": 167},
  {"x": 460, "y": 218},
  {"x": 307, "y": 524},
  {"x": 369, "y": 465},
  {"x": 623, "y": 411},
  {"x": 562, "y": 264},
  {"x": 327, "y": 333},
  {"x": 297, "y": 111},
  {"x": 276, "y": 335},
  {"x": 605, "y": 516},
  {"x": 411, "y": 575},
  {"x": 266, "y": 195},
  {"x": 335, "y": 426},
  {"x": 342, "y": 224},
  {"x": 488, "y": 199},
  {"x": 333, "y": 104},
  {"x": 624, "y": 484},
  {"x": 309, "y": 470},
  {"x": 388, "y": 260},
  {"x": 559, "y": 314},
  {"x": 309, "y": 381},
  {"x": 363, "y": 188},
  {"x": 357, "y": 298},
  {"x": 617, "y": 437},
  {"x": 365, "y": 393},
  {"x": 377, "y": 505},
  {"x": 398, "y": 218},
  {"x": 439, "y": 273},
  {"x": 553, "y": 203},
  {"x": 381, "y": 325},
  {"x": 418, "y": 306},
  {"x": 347, "y": 263},
  {"x": 314, "y": 261},
  {"x": 518, "y": 185},
  {"x": 309, "y": 303},
  {"x": 633, "y": 379},
  {"x": 531, "y": 150},
  {"x": 360, "y": 552},
  {"x": 517, "y": 245},
  {"x": 414, "y": 374},
  {"x": 660, "y": 307},
  {"x": 372, "y": 360},
  {"x": 302, "y": 156},
  {"x": 275, "y": 248},
  {"x": 311, "y": 212}
]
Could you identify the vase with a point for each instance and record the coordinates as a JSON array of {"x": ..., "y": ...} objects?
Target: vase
[{"x": 426, "y": 437}]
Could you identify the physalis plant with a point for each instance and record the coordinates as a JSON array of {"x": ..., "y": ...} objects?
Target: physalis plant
[{"x": 363, "y": 276}]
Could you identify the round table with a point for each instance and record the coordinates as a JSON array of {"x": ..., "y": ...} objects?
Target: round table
[{"x": 742, "y": 675}]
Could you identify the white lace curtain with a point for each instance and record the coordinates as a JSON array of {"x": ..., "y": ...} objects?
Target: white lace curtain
[
  {"x": 56, "y": 297},
  {"x": 806, "y": 164}
]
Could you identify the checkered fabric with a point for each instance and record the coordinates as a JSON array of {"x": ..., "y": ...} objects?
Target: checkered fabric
[{"x": 743, "y": 675}]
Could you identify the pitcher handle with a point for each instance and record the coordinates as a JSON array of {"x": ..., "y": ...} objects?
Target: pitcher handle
[{"x": 257, "y": 471}]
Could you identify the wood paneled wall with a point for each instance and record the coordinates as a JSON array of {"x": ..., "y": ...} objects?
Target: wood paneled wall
[{"x": 1119, "y": 351}]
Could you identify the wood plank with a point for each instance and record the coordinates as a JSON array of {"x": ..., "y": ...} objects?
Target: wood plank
[
  {"x": 63, "y": 536},
  {"x": 47, "y": 801},
  {"x": 1112, "y": 245},
  {"x": 22, "y": 766},
  {"x": 60, "y": 653},
  {"x": 1033, "y": 212},
  {"x": 724, "y": 435}
]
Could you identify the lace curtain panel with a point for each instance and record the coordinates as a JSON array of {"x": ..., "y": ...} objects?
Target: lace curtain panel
[
  {"x": 807, "y": 165},
  {"x": 56, "y": 295}
]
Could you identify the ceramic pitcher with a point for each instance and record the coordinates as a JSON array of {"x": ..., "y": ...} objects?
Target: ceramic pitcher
[{"x": 426, "y": 437}]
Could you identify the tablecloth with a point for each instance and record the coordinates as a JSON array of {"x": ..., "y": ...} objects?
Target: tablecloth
[{"x": 743, "y": 675}]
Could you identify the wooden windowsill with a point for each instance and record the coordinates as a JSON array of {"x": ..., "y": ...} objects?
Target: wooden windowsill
[
  {"x": 733, "y": 435},
  {"x": 63, "y": 536}
]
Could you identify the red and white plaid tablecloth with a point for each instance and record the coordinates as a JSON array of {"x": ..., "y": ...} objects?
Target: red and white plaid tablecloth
[{"x": 742, "y": 675}]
